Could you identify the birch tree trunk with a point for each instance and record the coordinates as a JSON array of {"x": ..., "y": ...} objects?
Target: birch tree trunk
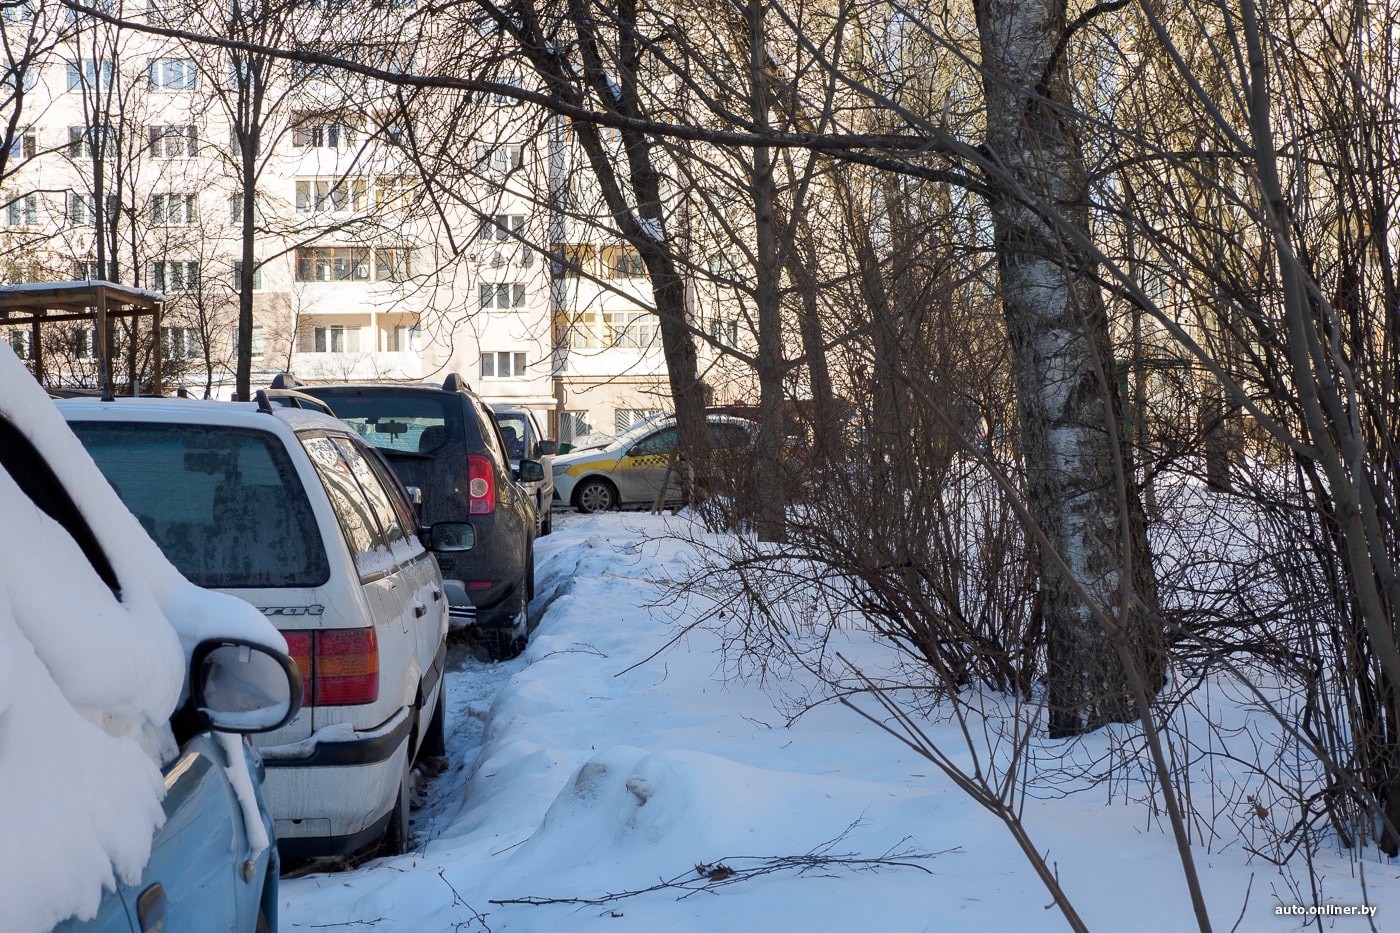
[{"x": 1097, "y": 581}]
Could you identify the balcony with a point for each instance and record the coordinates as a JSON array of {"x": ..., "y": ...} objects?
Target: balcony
[{"x": 357, "y": 367}]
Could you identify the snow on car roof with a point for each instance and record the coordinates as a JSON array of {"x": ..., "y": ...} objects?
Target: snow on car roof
[{"x": 87, "y": 680}]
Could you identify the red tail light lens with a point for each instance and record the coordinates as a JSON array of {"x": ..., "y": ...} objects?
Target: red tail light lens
[
  {"x": 481, "y": 486},
  {"x": 347, "y": 667},
  {"x": 299, "y": 650},
  {"x": 339, "y": 667}
]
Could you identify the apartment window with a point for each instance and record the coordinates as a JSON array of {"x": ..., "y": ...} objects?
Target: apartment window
[
  {"x": 81, "y": 141},
  {"x": 395, "y": 59},
  {"x": 235, "y": 146},
  {"x": 502, "y": 294},
  {"x": 624, "y": 418},
  {"x": 257, "y": 340},
  {"x": 391, "y": 265},
  {"x": 313, "y": 133},
  {"x": 621, "y": 262},
  {"x": 631, "y": 329},
  {"x": 174, "y": 210},
  {"x": 82, "y": 208},
  {"x": 19, "y": 12},
  {"x": 577, "y": 330},
  {"x": 173, "y": 142},
  {"x": 235, "y": 210},
  {"x": 175, "y": 275},
  {"x": 401, "y": 338},
  {"x": 181, "y": 343},
  {"x": 725, "y": 333},
  {"x": 19, "y": 272},
  {"x": 167, "y": 12},
  {"x": 312, "y": 71},
  {"x": 238, "y": 276},
  {"x": 173, "y": 74},
  {"x": 333, "y": 264},
  {"x": 499, "y": 160},
  {"x": 722, "y": 264},
  {"x": 96, "y": 75},
  {"x": 336, "y": 338},
  {"x": 106, "y": 6},
  {"x": 499, "y": 98},
  {"x": 321, "y": 195},
  {"x": 22, "y": 212},
  {"x": 501, "y": 227},
  {"x": 502, "y": 365},
  {"x": 25, "y": 144},
  {"x": 82, "y": 342},
  {"x": 392, "y": 194},
  {"x": 569, "y": 262},
  {"x": 241, "y": 73},
  {"x": 85, "y": 269},
  {"x": 573, "y": 426}
]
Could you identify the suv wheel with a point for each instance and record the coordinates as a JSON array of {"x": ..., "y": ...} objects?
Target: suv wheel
[
  {"x": 502, "y": 644},
  {"x": 546, "y": 519},
  {"x": 595, "y": 495}
]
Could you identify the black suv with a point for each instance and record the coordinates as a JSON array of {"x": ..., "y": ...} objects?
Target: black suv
[{"x": 444, "y": 442}]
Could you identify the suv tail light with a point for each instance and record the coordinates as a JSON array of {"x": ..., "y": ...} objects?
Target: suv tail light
[
  {"x": 339, "y": 666},
  {"x": 481, "y": 486}
]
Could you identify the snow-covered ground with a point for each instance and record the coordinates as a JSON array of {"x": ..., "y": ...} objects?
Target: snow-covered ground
[{"x": 620, "y": 776}]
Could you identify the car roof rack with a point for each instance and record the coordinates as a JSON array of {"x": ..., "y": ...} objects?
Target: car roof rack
[
  {"x": 269, "y": 400},
  {"x": 453, "y": 382}
]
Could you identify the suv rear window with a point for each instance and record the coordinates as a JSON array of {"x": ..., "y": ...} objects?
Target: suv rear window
[
  {"x": 224, "y": 504},
  {"x": 405, "y": 422}
]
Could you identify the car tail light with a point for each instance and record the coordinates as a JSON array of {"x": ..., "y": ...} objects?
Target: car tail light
[
  {"x": 481, "y": 486},
  {"x": 347, "y": 667},
  {"x": 299, "y": 650},
  {"x": 339, "y": 667}
]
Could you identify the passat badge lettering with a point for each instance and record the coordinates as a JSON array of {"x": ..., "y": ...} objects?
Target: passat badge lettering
[{"x": 313, "y": 610}]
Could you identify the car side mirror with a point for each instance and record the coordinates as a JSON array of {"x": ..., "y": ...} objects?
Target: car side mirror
[
  {"x": 531, "y": 471},
  {"x": 548, "y": 448},
  {"x": 240, "y": 686}
]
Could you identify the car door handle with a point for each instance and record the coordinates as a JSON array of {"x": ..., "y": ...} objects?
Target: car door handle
[
  {"x": 419, "y": 610},
  {"x": 437, "y": 595}
]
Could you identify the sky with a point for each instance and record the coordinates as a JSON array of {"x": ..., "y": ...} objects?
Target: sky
[{"x": 620, "y": 775}]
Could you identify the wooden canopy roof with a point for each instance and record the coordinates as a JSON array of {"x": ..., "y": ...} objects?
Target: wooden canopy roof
[{"x": 39, "y": 303}]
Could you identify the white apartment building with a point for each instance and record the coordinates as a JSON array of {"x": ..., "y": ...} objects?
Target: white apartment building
[{"x": 363, "y": 271}]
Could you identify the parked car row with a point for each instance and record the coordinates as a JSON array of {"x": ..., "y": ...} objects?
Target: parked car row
[
  {"x": 361, "y": 522},
  {"x": 480, "y": 492}
]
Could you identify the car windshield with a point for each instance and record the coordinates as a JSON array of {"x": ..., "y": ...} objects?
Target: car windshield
[
  {"x": 400, "y": 422},
  {"x": 514, "y": 431},
  {"x": 639, "y": 430},
  {"x": 224, "y": 504}
]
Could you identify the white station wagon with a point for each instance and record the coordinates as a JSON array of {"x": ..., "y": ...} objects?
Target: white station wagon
[{"x": 289, "y": 510}]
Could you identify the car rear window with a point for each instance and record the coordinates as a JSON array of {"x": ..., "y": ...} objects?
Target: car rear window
[
  {"x": 400, "y": 421},
  {"x": 224, "y": 504}
]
